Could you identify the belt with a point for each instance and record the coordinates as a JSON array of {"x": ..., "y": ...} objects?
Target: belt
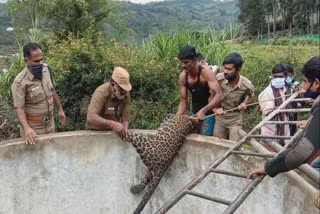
[{"x": 39, "y": 118}]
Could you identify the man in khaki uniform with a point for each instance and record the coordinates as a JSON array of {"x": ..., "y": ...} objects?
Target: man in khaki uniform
[
  {"x": 110, "y": 104},
  {"x": 238, "y": 92},
  {"x": 34, "y": 95}
]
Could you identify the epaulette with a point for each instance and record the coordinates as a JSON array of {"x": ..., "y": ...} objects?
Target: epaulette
[
  {"x": 220, "y": 76},
  {"x": 105, "y": 89},
  {"x": 246, "y": 82},
  {"x": 20, "y": 76}
]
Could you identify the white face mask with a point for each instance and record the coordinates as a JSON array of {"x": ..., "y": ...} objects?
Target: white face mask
[
  {"x": 278, "y": 82},
  {"x": 116, "y": 92}
]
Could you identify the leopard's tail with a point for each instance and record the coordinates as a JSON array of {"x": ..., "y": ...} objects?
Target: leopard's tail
[{"x": 151, "y": 187}]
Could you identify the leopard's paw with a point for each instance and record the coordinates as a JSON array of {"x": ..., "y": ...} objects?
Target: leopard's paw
[{"x": 136, "y": 188}]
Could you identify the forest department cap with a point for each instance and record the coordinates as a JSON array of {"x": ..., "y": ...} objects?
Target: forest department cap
[{"x": 121, "y": 76}]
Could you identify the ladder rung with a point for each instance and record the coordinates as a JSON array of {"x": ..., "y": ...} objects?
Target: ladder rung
[
  {"x": 243, "y": 195},
  {"x": 213, "y": 165},
  {"x": 295, "y": 110},
  {"x": 215, "y": 199},
  {"x": 253, "y": 154},
  {"x": 269, "y": 137},
  {"x": 300, "y": 99},
  {"x": 229, "y": 173},
  {"x": 280, "y": 122}
]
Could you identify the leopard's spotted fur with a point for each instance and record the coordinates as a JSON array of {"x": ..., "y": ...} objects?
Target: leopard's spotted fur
[{"x": 157, "y": 154}]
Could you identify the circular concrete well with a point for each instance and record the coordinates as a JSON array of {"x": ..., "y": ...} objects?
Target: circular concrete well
[{"x": 91, "y": 172}]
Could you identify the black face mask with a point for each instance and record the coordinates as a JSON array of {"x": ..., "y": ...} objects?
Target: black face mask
[
  {"x": 311, "y": 94},
  {"x": 233, "y": 77},
  {"x": 36, "y": 70}
]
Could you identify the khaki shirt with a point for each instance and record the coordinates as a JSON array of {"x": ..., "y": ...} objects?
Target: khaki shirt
[
  {"x": 106, "y": 105},
  {"x": 216, "y": 69},
  {"x": 36, "y": 96},
  {"x": 233, "y": 96}
]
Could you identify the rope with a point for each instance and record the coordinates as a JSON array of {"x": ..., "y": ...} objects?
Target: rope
[{"x": 256, "y": 103}]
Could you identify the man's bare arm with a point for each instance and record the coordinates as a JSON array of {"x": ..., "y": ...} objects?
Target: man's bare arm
[
  {"x": 29, "y": 133},
  {"x": 183, "y": 94},
  {"x": 249, "y": 99},
  {"x": 214, "y": 87},
  {"x": 244, "y": 104},
  {"x": 125, "y": 124},
  {"x": 98, "y": 121},
  {"x": 62, "y": 116}
]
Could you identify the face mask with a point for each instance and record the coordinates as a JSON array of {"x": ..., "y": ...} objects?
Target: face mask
[
  {"x": 233, "y": 77},
  {"x": 288, "y": 80},
  {"x": 116, "y": 92},
  {"x": 278, "y": 82},
  {"x": 36, "y": 70},
  {"x": 311, "y": 94}
]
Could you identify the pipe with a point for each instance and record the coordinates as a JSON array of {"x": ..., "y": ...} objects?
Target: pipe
[{"x": 300, "y": 182}]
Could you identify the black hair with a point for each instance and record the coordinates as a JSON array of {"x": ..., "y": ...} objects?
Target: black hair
[
  {"x": 187, "y": 52},
  {"x": 278, "y": 68},
  {"x": 311, "y": 70},
  {"x": 200, "y": 57},
  {"x": 31, "y": 46},
  {"x": 234, "y": 58},
  {"x": 289, "y": 69}
]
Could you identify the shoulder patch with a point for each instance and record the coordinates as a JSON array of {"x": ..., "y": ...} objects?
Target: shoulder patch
[
  {"x": 220, "y": 76},
  {"x": 104, "y": 89},
  {"x": 246, "y": 82},
  {"x": 20, "y": 76}
]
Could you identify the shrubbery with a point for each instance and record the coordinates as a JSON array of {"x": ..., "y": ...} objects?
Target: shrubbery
[{"x": 81, "y": 64}]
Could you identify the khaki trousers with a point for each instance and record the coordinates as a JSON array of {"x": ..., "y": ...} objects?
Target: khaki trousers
[{"x": 228, "y": 123}]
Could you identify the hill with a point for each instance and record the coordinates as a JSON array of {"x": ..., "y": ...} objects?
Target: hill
[
  {"x": 152, "y": 18},
  {"x": 157, "y": 17}
]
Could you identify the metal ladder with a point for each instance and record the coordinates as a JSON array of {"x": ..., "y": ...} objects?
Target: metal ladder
[{"x": 233, "y": 205}]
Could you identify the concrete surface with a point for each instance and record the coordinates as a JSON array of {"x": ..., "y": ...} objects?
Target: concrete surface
[{"x": 91, "y": 172}]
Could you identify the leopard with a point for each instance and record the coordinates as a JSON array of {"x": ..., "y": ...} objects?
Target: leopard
[{"x": 158, "y": 153}]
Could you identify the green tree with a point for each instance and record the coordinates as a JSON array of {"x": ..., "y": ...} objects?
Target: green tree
[
  {"x": 78, "y": 15},
  {"x": 26, "y": 15},
  {"x": 268, "y": 8},
  {"x": 75, "y": 16},
  {"x": 252, "y": 15}
]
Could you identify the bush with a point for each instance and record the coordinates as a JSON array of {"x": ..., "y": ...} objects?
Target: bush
[
  {"x": 79, "y": 68},
  {"x": 80, "y": 65},
  {"x": 282, "y": 41},
  {"x": 6, "y": 79}
]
